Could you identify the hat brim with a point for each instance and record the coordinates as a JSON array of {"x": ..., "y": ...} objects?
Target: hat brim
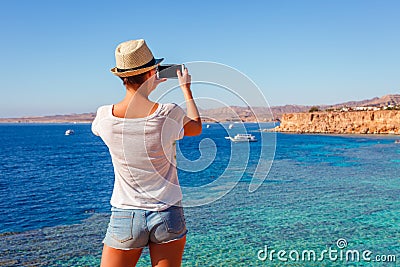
[{"x": 136, "y": 72}]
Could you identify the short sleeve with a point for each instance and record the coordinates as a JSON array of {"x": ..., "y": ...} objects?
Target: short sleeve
[
  {"x": 177, "y": 114},
  {"x": 95, "y": 123}
]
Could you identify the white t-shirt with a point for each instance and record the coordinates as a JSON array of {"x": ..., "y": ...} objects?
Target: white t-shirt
[{"x": 143, "y": 154}]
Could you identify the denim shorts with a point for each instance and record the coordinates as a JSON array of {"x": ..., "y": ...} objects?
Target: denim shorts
[{"x": 135, "y": 228}]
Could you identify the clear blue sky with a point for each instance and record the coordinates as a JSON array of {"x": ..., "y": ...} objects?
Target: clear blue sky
[{"x": 56, "y": 55}]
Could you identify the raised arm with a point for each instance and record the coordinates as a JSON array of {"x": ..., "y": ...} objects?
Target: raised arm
[{"x": 192, "y": 122}]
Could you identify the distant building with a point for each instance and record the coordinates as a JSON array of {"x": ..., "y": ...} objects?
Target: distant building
[
  {"x": 389, "y": 107},
  {"x": 366, "y": 108}
]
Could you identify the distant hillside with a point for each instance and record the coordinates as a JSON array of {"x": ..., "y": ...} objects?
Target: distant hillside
[
  {"x": 71, "y": 118},
  {"x": 374, "y": 102},
  {"x": 233, "y": 113},
  {"x": 276, "y": 112}
]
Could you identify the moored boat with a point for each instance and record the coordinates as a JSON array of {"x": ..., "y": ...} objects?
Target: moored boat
[
  {"x": 69, "y": 132},
  {"x": 242, "y": 138}
]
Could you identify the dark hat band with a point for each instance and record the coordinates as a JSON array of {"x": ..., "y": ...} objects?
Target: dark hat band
[{"x": 152, "y": 62}]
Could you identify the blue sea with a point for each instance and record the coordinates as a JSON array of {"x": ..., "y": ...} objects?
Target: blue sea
[{"x": 337, "y": 196}]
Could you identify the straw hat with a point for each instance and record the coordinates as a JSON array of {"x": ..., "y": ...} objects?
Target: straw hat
[{"x": 133, "y": 58}]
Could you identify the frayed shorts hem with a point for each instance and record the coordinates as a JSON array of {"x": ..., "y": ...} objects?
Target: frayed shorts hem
[{"x": 160, "y": 243}]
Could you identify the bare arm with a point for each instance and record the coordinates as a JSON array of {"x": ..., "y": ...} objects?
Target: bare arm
[{"x": 192, "y": 122}]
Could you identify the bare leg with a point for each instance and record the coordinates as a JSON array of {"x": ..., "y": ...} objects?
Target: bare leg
[
  {"x": 119, "y": 258},
  {"x": 168, "y": 254}
]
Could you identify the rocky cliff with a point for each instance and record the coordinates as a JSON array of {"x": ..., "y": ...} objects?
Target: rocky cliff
[{"x": 354, "y": 122}]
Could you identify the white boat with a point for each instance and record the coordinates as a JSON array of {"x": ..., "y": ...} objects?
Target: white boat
[
  {"x": 230, "y": 126},
  {"x": 208, "y": 125},
  {"x": 69, "y": 132},
  {"x": 242, "y": 138},
  {"x": 397, "y": 141}
]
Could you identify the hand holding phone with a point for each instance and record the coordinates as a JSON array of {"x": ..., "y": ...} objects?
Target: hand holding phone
[
  {"x": 185, "y": 79},
  {"x": 169, "y": 71}
]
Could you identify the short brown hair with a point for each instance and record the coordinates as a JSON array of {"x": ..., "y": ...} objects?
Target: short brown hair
[{"x": 137, "y": 79}]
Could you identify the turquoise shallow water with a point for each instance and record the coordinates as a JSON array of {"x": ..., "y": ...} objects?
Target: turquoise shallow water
[{"x": 320, "y": 189}]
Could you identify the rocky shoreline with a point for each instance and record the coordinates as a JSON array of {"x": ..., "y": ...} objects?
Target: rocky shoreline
[{"x": 334, "y": 122}]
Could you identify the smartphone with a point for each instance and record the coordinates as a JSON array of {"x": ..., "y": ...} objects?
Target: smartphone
[{"x": 169, "y": 71}]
